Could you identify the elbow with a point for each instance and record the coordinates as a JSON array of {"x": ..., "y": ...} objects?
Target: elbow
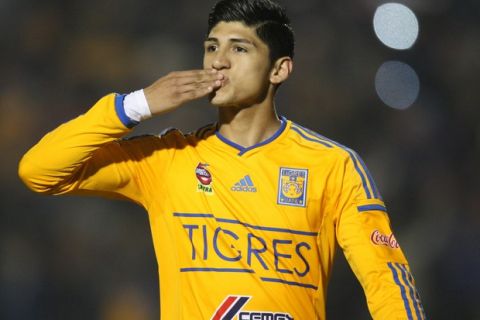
[{"x": 31, "y": 176}]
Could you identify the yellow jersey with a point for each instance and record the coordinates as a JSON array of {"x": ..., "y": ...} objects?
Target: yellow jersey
[{"x": 239, "y": 233}]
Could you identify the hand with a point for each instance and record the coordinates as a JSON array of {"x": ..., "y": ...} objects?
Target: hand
[{"x": 177, "y": 88}]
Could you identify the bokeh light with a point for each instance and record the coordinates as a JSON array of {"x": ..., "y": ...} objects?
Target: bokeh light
[
  {"x": 396, "y": 26},
  {"x": 397, "y": 84}
]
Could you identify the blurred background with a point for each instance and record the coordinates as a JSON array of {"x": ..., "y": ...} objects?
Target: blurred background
[{"x": 401, "y": 87}]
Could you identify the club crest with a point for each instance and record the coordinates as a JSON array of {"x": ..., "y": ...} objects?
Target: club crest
[{"x": 292, "y": 187}]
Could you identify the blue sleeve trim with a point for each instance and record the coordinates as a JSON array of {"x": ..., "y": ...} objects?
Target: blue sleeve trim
[
  {"x": 119, "y": 108},
  {"x": 408, "y": 280},
  {"x": 402, "y": 291},
  {"x": 370, "y": 207}
]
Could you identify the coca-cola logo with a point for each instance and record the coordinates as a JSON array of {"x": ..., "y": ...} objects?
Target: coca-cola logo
[{"x": 379, "y": 238}]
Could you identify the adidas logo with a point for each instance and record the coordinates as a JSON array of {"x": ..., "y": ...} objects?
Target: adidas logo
[{"x": 244, "y": 185}]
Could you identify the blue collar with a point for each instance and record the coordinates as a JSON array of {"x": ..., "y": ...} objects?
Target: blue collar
[{"x": 242, "y": 150}]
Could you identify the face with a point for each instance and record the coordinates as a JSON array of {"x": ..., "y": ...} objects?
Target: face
[{"x": 235, "y": 50}]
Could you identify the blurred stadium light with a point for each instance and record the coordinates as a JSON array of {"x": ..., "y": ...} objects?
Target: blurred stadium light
[
  {"x": 397, "y": 84},
  {"x": 395, "y": 25}
]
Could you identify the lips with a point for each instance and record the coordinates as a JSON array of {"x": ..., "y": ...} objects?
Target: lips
[{"x": 224, "y": 81}]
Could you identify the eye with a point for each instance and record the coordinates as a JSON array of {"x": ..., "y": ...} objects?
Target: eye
[
  {"x": 240, "y": 49},
  {"x": 211, "y": 47}
]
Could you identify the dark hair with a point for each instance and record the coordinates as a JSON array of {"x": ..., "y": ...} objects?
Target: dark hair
[{"x": 267, "y": 17}]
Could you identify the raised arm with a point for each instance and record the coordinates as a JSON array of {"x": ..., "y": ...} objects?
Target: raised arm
[{"x": 84, "y": 154}]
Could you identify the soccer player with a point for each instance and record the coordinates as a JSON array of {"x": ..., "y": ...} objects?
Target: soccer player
[{"x": 245, "y": 213}]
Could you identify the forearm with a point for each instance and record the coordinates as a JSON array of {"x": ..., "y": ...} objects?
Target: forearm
[
  {"x": 379, "y": 264},
  {"x": 60, "y": 153}
]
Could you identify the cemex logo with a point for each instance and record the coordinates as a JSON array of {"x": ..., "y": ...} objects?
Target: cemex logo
[{"x": 231, "y": 307}]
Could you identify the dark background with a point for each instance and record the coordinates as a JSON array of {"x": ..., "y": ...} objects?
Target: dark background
[{"x": 87, "y": 258}]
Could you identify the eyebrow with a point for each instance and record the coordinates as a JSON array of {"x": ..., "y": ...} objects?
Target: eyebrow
[{"x": 235, "y": 40}]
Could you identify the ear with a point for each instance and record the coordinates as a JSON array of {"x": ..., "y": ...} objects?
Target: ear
[{"x": 281, "y": 70}]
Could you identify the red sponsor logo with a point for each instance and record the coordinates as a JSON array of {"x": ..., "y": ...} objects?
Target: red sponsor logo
[
  {"x": 384, "y": 240},
  {"x": 202, "y": 174},
  {"x": 231, "y": 308}
]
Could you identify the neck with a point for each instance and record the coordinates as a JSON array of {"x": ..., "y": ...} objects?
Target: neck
[{"x": 248, "y": 126}]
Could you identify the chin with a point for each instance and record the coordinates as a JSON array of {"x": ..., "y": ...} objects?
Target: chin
[{"x": 220, "y": 100}]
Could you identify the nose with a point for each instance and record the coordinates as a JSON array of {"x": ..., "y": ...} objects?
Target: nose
[{"x": 220, "y": 61}]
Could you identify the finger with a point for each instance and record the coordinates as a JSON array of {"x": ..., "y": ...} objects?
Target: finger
[
  {"x": 193, "y": 73},
  {"x": 196, "y": 93},
  {"x": 199, "y": 86},
  {"x": 196, "y": 77}
]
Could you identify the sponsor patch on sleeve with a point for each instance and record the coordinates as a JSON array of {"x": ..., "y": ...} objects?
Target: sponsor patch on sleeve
[{"x": 381, "y": 239}]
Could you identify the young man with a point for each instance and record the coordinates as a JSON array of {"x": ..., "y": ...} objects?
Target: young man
[{"x": 245, "y": 214}]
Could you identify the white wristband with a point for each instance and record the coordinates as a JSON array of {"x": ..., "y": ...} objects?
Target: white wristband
[{"x": 136, "y": 106}]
